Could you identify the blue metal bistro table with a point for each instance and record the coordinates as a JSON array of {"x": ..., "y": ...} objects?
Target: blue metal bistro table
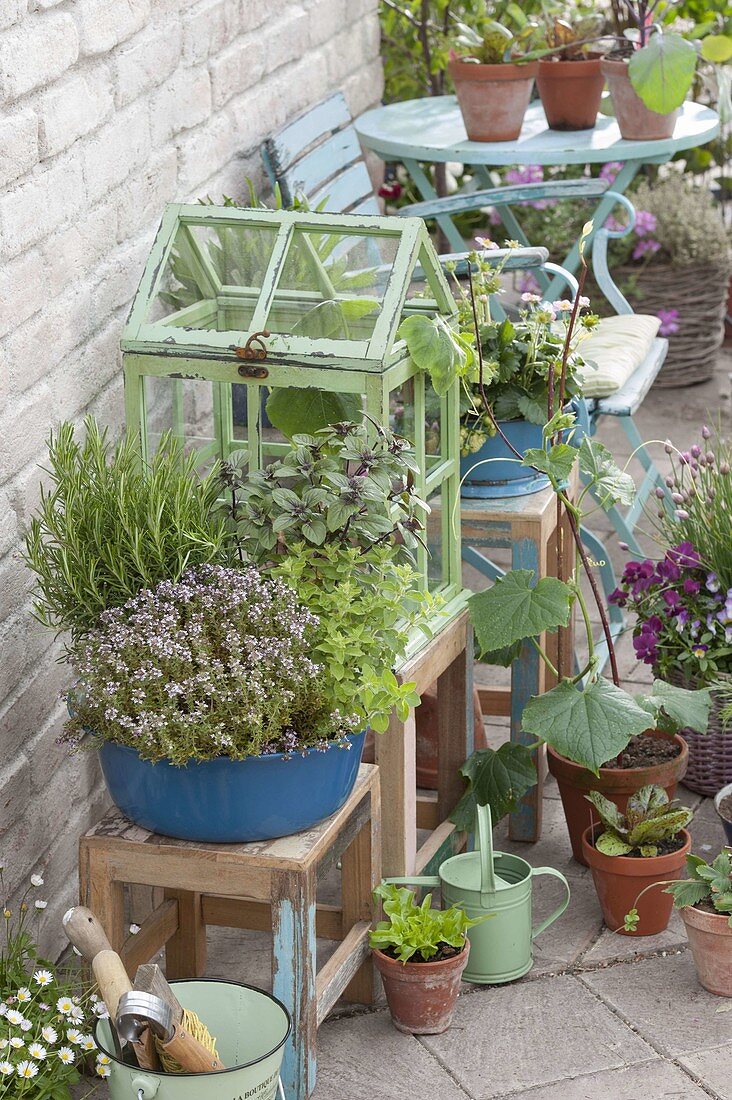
[{"x": 431, "y": 130}]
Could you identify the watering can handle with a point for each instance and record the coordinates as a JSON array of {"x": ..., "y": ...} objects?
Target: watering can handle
[
  {"x": 485, "y": 843},
  {"x": 145, "y": 1087},
  {"x": 562, "y": 905}
]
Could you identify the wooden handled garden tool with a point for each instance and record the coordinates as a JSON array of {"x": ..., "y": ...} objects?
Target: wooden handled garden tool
[
  {"x": 183, "y": 1042},
  {"x": 87, "y": 935}
]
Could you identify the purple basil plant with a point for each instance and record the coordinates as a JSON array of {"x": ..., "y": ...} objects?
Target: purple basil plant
[{"x": 684, "y": 615}]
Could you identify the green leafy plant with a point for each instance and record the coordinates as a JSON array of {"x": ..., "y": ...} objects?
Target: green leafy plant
[
  {"x": 585, "y": 717},
  {"x": 110, "y": 526},
  {"x": 415, "y": 932},
  {"x": 45, "y": 1024},
  {"x": 708, "y": 883},
  {"x": 661, "y": 63},
  {"x": 336, "y": 519},
  {"x": 649, "y": 819}
]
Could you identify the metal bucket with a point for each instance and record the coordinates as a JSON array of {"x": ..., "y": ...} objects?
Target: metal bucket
[{"x": 251, "y": 1029}]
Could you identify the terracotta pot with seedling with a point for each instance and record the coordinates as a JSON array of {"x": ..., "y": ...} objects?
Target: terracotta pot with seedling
[
  {"x": 631, "y": 852},
  {"x": 570, "y": 79},
  {"x": 493, "y": 81},
  {"x": 420, "y": 953}
]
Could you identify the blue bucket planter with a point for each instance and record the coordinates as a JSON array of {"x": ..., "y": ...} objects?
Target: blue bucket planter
[
  {"x": 232, "y": 801},
  {"x": 503, "y": 476}
]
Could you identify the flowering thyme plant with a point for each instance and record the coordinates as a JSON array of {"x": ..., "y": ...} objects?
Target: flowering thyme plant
[
  {"x": 684, "y": 617},
  {"x": 218, "y": 664},
  {"x": 44, "y": 1026}
]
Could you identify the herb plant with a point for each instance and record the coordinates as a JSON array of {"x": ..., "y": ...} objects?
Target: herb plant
[
  {"x": 45, "y": 1026},
  {"x": 417, "y": 932},
  {"x": 336, "y": 518},
  {"x": 649, "y": 819},
  {"x": 109, "y": 526},
  {"x": 219, "y": 663}
]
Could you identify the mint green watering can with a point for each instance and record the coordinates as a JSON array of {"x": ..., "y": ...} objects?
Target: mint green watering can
[{"x": 484, "y": 881}]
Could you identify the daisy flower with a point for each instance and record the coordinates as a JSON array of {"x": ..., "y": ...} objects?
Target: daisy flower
[
  {"x": 65, "y": 1005},
  {"x": 67, "y": 1056},
  {"x": 38, "y": 1051},
  {"x": 3, "y": 1043},
  {"x": 103, "y": 1060},
  {"x": 43, "y": 977},
  {"x": 3, "y": 1008},
  {"x": 14, "y": 1017},
  {"x": 27, "y": 1069},
  {"x": 40, "y": 904},
  {"x": 100, "y": 1010},
  {"x": 36, "y": 880},
  {"x": 74, "y": 1036},
  {"x": 49, "y": 1034},
  {"x": 76, "y": 1014},
  {"x": 102, "y": 1071},
  {"x": 17, "y": 1043},
  {"x": 87, "y": 1043},
  {"x": 6, "y": 1068},
  {"x": 24, "y": 994},
  {"x": 25, "y": 1025}
]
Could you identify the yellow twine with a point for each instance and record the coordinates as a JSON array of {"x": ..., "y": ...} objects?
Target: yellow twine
[{"x": 198, "y": 1030}]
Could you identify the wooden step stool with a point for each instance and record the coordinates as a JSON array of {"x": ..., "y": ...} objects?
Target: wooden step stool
[{"x": 263, "y": 885}]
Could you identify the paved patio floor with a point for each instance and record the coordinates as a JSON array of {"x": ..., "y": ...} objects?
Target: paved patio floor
[{"x": 601, "y": 1016}]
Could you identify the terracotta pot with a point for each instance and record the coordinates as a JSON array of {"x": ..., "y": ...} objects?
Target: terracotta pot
[
  {"x": 571, "y": 92},
  {"x": 493, "y": 98},
  {"x": 710, "y": 939},
  {"x": 620, "y": 879},
  {"x": 617, "y": 784},
  {"x": 422, "y": 996},
  {"x": 636, "y": 121},
  {"x": 427, "y": 739}
]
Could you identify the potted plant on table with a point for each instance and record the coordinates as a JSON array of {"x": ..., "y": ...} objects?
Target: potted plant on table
[
  {"x": 493, "y": 79},
  {"x": 570, "y": 80},
  {"x": 222, "y": 699},
  {"x": 420, "y": 953},
  {"x": 649, "y": 75},
  {"x": 630, "y": 852}
]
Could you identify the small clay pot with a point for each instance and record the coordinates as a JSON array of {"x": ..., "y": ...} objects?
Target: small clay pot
[
  {"x": 620, "y": 879},
  {"x": 710, "y": 939},
  {"x": 636, "y": 121},
  {"x": 617, "y": 784},
  {"x": 571, "y": 91},
  {"x": 493, "y": 98},
  {"x": 422, "y": 996}
]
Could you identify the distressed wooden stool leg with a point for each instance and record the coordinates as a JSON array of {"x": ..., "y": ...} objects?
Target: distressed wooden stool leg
[
  {"x": 102, "y": 894},
  {"x": 185, "y": 951},
  {"x": 527, "y": 678},
  {"x": 293, "y": 975},
  {"x": 454, "y": 728},
  {"x": 360, "y": 873},
  {"x": 396, "y": 755}
]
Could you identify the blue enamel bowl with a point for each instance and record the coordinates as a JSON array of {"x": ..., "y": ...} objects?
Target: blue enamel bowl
[
  {"x": 232, "y": 801},
  {"x": 494, "y": 471}
]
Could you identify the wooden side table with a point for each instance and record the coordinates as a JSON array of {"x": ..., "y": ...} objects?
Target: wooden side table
[
  {"x": 447, "y": 660},
  {"x": 527, "y": 526},
  {"x": 263, "y": 885}
]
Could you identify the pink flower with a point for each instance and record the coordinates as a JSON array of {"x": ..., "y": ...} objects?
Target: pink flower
[
  {"x": 645, "y": 222},
  {"x": 485, "y": 242},
  {"x": 528, "y": 284},
  {"x": 390, "y": 190},
  {"x": 525, "y": 173},
  {"x": 646, "y": 247},
  {"x": 669, "y": 319},
  {"x": 613, "y": 225},
  {"x": 610, "y": 170}
]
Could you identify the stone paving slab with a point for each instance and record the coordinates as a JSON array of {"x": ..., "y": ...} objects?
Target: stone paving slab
[
  {"x": 515, "y": 1037},
  {"x": 713, "y": 1067},
  {"x": 611, "y": 947},
  {"x": 657, "y": 1080},
  {"x": 664, "y": 1001},
  {"x": 366, "y": 1058}
]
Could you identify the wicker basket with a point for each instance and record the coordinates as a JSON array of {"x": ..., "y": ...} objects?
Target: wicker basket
[
  {"x": 710, "y": 753},
  {"x": 699, "y": 294}
]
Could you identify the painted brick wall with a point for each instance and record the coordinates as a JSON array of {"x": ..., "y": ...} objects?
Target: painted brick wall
[{"x": 108, "y": 109}]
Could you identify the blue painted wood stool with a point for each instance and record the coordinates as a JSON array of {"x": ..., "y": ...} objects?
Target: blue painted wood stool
[{"x": 267, "y": 886}]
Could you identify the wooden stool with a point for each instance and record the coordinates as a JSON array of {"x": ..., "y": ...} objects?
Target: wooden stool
[
  {"x": 527, "y": 526},
  {"x": 447, "y": 660},
  {"x": 268, "y": 884}
]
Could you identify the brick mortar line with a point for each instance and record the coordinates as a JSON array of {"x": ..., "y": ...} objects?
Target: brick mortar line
[{"x": 669, "y": 1059}]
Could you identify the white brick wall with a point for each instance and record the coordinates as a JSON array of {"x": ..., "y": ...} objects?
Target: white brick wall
[{"x": 108, "y": 109}]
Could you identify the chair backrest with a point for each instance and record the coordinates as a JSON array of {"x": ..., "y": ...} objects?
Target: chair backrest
[{"x": 317, "y": 157}]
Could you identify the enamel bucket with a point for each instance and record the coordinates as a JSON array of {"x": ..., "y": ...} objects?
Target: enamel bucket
[
  {"x": 484, "y": 881},
  {"x": 251, "y": 1028}
]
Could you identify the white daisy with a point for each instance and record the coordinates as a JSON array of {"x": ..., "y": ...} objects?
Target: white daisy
[
  {"x": 24, "y": 994},
  {"x": 43, "y": 977},
  {"x": 67, "y": 1056},
  {"x": 103, "y": 1071},
  {"x": 77, "y": 1014},
  {"x": 49, "y": 1034},
  {"x": 3, "y": 1043},
  {"x": 100, "y": 1010},
  {"x": 14, "y": 1017},
  {"x": 36, "y": 880},
  {"x": 25, "y": 1025},
  {"x": 87, "y": 1043},
  {"x": 37, "y": 1050},
  {"x": 27, "y": 1069},
  {"x": 64, "y": 1005},
  {"x": 17, "y": 1043},
  {"x": 3, "y": 1008},
  {"x": 40, "y": 904},
  {"x": 74, "y": 1035},
  {"x": 6, "y": 1068},
  {"x": 43, "y": 1006},
  {"x": 103, "y": 1060}
]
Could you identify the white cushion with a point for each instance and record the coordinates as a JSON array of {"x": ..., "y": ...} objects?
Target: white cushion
[{"x": 614, "y": 350}]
